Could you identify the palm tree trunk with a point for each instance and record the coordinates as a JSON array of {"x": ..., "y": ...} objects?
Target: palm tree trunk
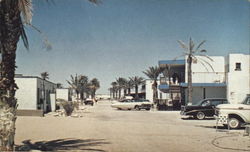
[
  {"x": 119, "y": 93},
  {"x": 10, "y": 31},
  {"x": 129, "y": 91},
  {"x": 190, "y": 80},
  {"x": 136, "y": 91}
]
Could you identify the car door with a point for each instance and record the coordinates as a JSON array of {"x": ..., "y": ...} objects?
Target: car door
[
  {"x": 245, "y": 109},
  {"x": 206, "y": 107}
]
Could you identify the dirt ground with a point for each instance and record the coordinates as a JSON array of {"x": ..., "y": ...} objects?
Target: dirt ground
[{"x": 103, "y": 128}]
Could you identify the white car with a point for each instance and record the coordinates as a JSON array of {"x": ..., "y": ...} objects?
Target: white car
[
  {"x": 129, "y": 104},
  {"x": 234, "y": 115}
]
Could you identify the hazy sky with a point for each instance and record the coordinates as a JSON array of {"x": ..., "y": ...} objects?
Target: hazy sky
[{"x": 122, "y": 38}]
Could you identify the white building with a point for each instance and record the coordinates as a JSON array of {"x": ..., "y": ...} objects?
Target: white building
[
  {"x": 221, "y": 77},
  {"x": 30, "y": 95},
  {"x": 63, "y": 93},
  {"x": 237, "y": 77}
]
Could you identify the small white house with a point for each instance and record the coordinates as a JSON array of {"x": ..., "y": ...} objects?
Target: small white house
[{"x": 31, "y": 93}]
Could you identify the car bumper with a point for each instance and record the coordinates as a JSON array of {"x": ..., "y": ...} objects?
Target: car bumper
[{"x": 183, "y": 113}]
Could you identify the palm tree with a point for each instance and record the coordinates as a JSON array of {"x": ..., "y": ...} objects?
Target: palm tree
[
  {"x": 190, "y": 52},
  {"x": 153, "y": 74},
  {"x": 11, "y": 29},
  {"x": 114, "y": 86},
  {"x": 94, "y": 85},
  {"x": 75, "y": 85},
  {"x": 83, "y": 85},
  {"x": 45, "y": 76},
  {"x": 120, "y": 82},
  {"x": 136, "y": 81}
]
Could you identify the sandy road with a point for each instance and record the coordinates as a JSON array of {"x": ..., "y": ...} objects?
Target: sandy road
[{"x": 105, "y": 129}]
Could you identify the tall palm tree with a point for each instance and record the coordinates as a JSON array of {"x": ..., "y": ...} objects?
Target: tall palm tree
[
  {"x": 75, "y": 85},
  {"x": 114, "y": 86},
  {"x": 136, "y": 81},
  {"x": 94, "y": 85},
  {"x": 45, "y": 76},
  {"x": 120, "y": 82},
  {"x": 190, "y": 51},
  {"x": 153, "y": 74},
  {"x": 13, "y": 15},
  {"x": 83, "y": 85}
]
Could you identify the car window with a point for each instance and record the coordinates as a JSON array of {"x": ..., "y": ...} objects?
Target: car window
[
  {"x": 216, "y": 102},
  {"x": 205, "y": 103},
  {"x": 247, "y": 102}
]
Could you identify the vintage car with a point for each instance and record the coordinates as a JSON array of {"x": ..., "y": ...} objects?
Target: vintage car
[
  {"x": 204, "y": 108},
  {"x": 129, "y": 104},
  {"x": 89, "y": 101},
  {"x": 234, "y": 115}
]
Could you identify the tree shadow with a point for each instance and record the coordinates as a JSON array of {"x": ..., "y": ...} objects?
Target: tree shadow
[
  {"x": 63, "y": 144},
  {"x": 192, "y": 118}
]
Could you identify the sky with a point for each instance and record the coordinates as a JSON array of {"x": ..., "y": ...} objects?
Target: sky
[{"x": 122, "y": 38}]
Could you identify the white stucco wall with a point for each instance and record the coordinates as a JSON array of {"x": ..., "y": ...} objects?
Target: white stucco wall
[
  {"x": 30, "y": 92},
  {"x": 27, "y": 93},
  {"x": 204, "y": 73},
  {"x": 62, "y": 94},
  {"x": 149, "y": 91},
  {"x": 238, "y": 81}
]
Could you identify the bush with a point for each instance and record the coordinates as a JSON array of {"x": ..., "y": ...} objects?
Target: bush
[{"x": 67, "y": 106}]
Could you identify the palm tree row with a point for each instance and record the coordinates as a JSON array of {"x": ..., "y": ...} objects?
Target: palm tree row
[
  {"x": 83, "y": 87},
  {"x": 126, "y": 85}
]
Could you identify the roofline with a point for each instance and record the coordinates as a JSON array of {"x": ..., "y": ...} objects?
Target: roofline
[{"x": 34, "y": 77}]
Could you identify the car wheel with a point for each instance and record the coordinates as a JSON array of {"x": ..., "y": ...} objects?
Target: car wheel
[
  {"x": 200, "y": 115},
  {"x": 137, "y": 108},
  {"x": 147, "y": 109},
  {"x": 234, "y": 123}
]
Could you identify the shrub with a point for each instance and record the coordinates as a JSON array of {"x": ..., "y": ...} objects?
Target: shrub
[{"x": 67, "y": 106}]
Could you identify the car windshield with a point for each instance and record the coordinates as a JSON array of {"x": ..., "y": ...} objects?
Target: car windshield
[{"x": 246, "y": 101}]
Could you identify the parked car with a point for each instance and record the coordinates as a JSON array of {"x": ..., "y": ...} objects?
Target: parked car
[
  {"x": 128, "y": 104},
  {"x": 89, "y": 101},
  {"x": 204, "y": 108},
  {"x": 235, "y": 115}
]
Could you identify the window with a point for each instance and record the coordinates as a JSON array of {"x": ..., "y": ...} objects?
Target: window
[
  {"x": 216, "y": 102},
  {"x": 237, "y": 66}
]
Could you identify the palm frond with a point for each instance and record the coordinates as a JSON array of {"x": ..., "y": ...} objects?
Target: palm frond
[
  {"x": 197, "y": 48},
  {"x": 25, "y": 7},
  {"x": 24, "y": 37},
  {"x": 191, "y": 44},
  {"x": 206, "y": 63},
  {"x": 183, "y": 45}
]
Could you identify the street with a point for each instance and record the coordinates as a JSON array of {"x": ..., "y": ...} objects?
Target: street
[{"x": 103, "y": 128}]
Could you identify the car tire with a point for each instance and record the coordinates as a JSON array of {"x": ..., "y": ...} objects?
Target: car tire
[
  {"x": 137, "y": 108},
  {"x": 234, "y": 123},
  {"x": 147, "y": 109},
  {"x": 200, "y": 115}
]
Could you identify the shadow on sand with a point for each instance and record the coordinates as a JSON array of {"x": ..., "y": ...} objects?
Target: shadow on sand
[
  {"x": 63, "y": 144},
  {"x": 192, "y": 118}
]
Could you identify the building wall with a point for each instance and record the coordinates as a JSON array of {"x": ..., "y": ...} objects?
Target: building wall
[
  {"x": 62, "y": 94},
  {"x": 149, "y": 91},
  {"x": 49, "y": 88},
  {"x": 203, "y": 73},
  {"x": 210, "y": 92},
  {"x": 27, "y": 93},
  {"x": 238, "y": 81}
]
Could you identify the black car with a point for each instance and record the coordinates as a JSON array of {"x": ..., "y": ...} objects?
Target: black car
[{"x": 203, "y": 108}]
